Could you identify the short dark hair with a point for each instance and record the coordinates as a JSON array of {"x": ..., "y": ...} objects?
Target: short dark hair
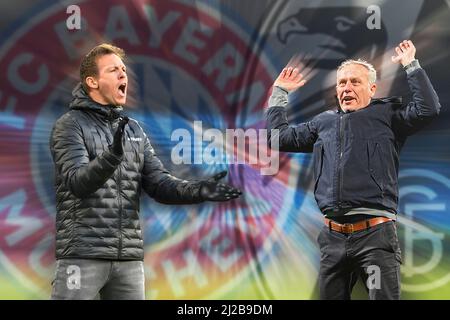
[{"x": 88, "y": 66}]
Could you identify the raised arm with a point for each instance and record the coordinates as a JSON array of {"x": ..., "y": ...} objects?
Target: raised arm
[
  {"x": 425, "y": 103},
  {"x": 298, "y": 138}
]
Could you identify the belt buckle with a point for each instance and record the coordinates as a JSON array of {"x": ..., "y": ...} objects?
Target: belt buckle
[{"x": 349, "y": 226}]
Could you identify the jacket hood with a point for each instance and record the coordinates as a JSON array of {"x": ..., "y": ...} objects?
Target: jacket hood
[{"x": 82, "y": 101}]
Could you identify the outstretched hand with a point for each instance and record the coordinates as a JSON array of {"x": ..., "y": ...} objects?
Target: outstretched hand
[
  {"x": 212, "y": 190},
  {"x": 290, "y": 79},
  {"x": 406, "y": 52},
  {"x": 117, "y": 145}
]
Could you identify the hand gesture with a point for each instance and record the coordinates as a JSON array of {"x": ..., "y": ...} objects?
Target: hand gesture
[
  {"x": 405, "y": 53},
  {"x": 290, "y": 79},
  {"x": 117, "y": 145},
  {"x": 212, "y": 190}
]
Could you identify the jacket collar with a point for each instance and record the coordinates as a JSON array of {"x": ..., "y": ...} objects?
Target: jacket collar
[
  {"x": 392, "y": 99},
  {"x": 82, "y": 101}
]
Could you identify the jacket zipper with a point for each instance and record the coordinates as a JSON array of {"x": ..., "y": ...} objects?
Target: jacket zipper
[
  {"x": 120, "y": 212},
  {"x": 340, "y": 182},
  {"x": 119, "y": 199}
]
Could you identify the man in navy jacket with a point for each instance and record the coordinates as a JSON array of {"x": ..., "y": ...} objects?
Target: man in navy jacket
[{"x": 356, "y": 158}]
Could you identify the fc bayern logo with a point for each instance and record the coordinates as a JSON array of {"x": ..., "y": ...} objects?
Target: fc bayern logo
[{"x": 189, "y": 63}]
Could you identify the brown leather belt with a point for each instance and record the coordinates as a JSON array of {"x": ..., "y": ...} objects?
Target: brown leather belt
[{"x": 354, "y": 227}]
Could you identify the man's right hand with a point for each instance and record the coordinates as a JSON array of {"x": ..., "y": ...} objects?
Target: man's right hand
[
  {"x": 290, "y": 79},
  {"x": 117, "y": 145}
]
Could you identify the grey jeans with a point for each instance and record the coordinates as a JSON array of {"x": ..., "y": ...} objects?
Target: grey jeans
[
  {"x": 87, "y": 279},
  {"x": 372, "y": 255}
]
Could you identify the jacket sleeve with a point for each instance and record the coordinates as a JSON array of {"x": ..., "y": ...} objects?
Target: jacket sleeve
[
  {"x": 300, "y": 138},
  {"x": 422, "y": 109},
  {"x": 159, "y": 184},
  {"x": 81, "y": 176}
]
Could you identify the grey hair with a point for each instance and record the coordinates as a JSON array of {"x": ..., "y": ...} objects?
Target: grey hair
[{"x": 367, "y": 65}]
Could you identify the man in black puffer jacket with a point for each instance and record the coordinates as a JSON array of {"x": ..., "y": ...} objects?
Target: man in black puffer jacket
[
  {"x": 102, "y": 161},
  {"x": 356, "y": 157}
]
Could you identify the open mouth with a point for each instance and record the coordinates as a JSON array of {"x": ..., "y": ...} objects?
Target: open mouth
[
  {"x": 347, "y": 99},
  {"x": 122, "y": 89}
]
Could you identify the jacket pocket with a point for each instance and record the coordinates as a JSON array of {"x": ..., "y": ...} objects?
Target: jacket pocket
[
  {"x": 318, "y": 164},
  {"x": 374, "y": 163}
]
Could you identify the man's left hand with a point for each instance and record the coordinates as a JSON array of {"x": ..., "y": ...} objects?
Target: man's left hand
[
  {"x": 117, "y": 145},
  {"x": 405, "y": 53},
  {"x": 212, "y": 190}
]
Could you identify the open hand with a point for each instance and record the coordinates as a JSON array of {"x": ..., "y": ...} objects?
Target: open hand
[
  {"x": 212, "y": 190},
  {"x": 290, "y": 79}
]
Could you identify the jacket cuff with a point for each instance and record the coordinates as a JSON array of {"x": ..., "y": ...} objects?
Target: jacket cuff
[
  {"x": 279, "y": 97},
  {"x": 414, "y": 65}
]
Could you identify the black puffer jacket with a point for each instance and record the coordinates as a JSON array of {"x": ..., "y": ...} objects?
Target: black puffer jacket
[
  {"x": 97, "y": 193},
  {"x": 356, "y": 154}
]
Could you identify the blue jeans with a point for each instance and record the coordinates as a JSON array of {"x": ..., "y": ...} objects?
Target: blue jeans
[
  {"x": 372, "y": 255},
  {"x": 87, "y": 279}
]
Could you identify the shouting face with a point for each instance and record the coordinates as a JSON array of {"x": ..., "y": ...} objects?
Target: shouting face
[
  {"x": 353, "y": 88},
  {"x": 109, "y": 87}
]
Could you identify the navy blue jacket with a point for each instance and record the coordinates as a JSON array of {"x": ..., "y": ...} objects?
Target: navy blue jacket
[{"x": 356, "y": 154}]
